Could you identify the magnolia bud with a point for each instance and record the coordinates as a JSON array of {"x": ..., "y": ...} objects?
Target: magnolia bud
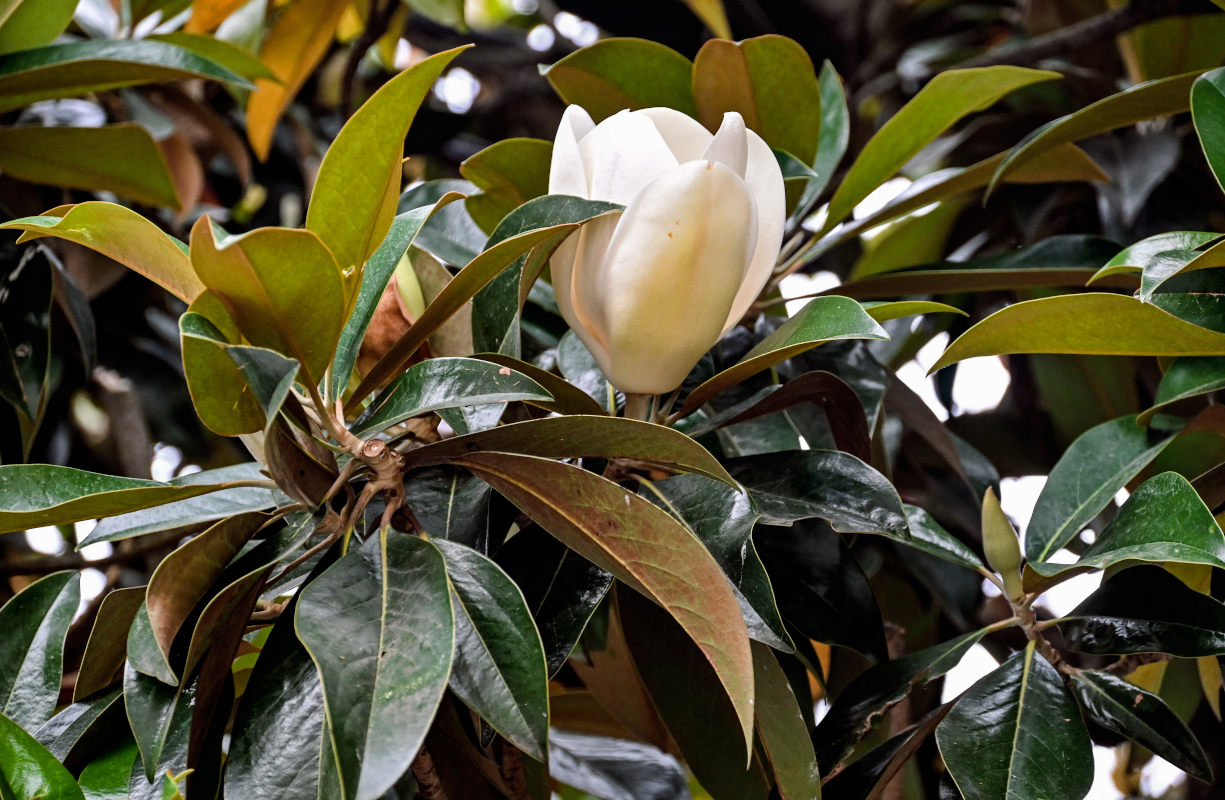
[
  {"x": 649, "y": 290},
  {"x": 1001, "y": 546}
]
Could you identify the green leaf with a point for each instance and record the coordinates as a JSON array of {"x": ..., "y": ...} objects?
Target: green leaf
[
  {"x": 1089, "y": 324},
  {"x": 121, "y": 158},
  {"x": 910, "y": 241},
  {"x": 770, "y": 81},
  {"x": 567, "y": 397},
  {"x": 499, "y": 668},
  {"x": 446, "y": 383},
  {"x": 616, "y": 74},
  {"x": 35, "y": 623},
  {"x": 27, "y": 770},
  {"x": 823, "y": 319},
  {"x": 508, "y": 173},
  {"x": 1159, "y": 98},
  {"x": 375, "y": 276},
  {"x": 580, "y": 369},
  {"x": 160, "y": 716},
  {"x": 1133, "y": 258},
  {"x": 835, "y": 132},
  {"x": 940, "y": 104},
  {"x": 269, "y": 376},
  {"x": 106, "y": 777},
  {"x": 281, "y": 287},
  {"x": 470, "y": 280},
  {"x": 82, "y": 727},
  {"x": 869, "y": 774},
  {"x": 102, "y": 663},
  {"x": 234, "y": 58},
  {"x": 65, "y": 70},
  {"x": 1186, "y": 377},
  {"x": 782, "y": 730},
  {"x": 144, "y": 654},
  {"x": 354, "y": 198},
  {"x": 924, "y": 533},
  {"x": 580, "y": 436},
  {"x": 639, "y": 544},
  {"x": 1141, "y": 716},
  {"x": 1208, "y": 112},
  {"x": 41, "y": 494},
  {"x": 379, "y": 626},
  {"x": 885, "y": 311},
  {"x": 827, "y": 484},
  {"x": 1145, "y": 609},
  {"x": 864, "y": 702},
  {"x": 1084, "y": 481},
  {"x": 121, "y": 234},
  {"x": 33, "y": 23},
  {"x": 194, "y": 510},
  {"x": 219, "y": 393},
  {"x": 691, "y": 701},
  {"x": 183, "y": 578},
  {"x": 1017, "y": 733}
]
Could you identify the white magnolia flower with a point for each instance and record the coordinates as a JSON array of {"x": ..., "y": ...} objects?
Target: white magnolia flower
[{"x": 649, "y": 290}]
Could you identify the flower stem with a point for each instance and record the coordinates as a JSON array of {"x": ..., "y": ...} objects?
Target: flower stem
[{"x": 638, "y": 406}]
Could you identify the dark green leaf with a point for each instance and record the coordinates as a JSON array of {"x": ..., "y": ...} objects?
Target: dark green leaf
[
  {"x": 616, "y": 74},
  {"x": 499, "y": 668},
  {"x": 568, "y": 398},
  {"x": 1084, "y": 481},
  {"x": 450, "y": 235},
  {"x": 27, "y": 770},
  {"x": 835, "y": 132},
  {"x": 35, "y": 623},
  {"x": 83, "y": 728},
  {"x": 580, "y": 370},
  {"x": 783, "y": 731},
  {"x": 614, "y": 769},
  {"x": 872, "y": 772},
  {"x": 160, "y": 716},
  {"x": 269, "y": 375},
  {"x": 144, "y": 654},
  {"x": 379, "y": 626},
  {"x": 236, "y": 59},
  {"x": 1017, "y": 733},
  {"x": 107, "y": 776},
  {"x": 1141, "y": 716},
  {"x": 1186, "y": 377},
  {"x": 1208, "y": 111},
  {"x": 451, "y": 504},
  {"x": 446, "y": 383},
  {"x": 925, "y": 534}
]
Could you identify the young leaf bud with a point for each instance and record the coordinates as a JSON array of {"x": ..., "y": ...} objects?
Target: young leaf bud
[{"x": 1001, "y": 546}]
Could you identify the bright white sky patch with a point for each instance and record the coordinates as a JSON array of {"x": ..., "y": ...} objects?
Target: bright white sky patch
[
  {"x": 980, "y": 385},
  {"x": 914, "y": 374}
]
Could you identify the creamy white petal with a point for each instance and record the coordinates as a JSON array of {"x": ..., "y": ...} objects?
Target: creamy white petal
[
  {"x": 730, "y": 145},
  {"x": 586, "y": 311},
  {"x": 566, "y": 172},
  {"x": 765, "y": 182},
  {"x": 624, "y": 153},
  {"x": 685, "y": 136},
  {"x": 671, "y": 271}
]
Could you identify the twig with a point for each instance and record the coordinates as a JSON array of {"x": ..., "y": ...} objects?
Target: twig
[
  {"x": 429, "y": 785},
  {"x": 1128, "y": 664},
  {"x": 511, "y": 768}
]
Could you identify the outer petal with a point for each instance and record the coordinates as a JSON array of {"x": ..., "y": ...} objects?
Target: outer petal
[
  {"x": 576, "y": 266},
  {"x": 685, "y": 136},
  {"x": 566, "y": 172},
  {"x": 765, "y": 181},
  {"x": 623, "y": 154},
  {"x": 672, "y": 269},
  {"x": 730, "y": 145}
]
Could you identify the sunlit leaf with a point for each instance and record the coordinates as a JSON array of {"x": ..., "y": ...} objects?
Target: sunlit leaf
[
  {"x": 28, "y": 770},
  {"x": 615, "y": 74}
]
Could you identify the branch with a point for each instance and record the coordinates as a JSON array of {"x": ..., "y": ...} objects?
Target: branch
[{"x": 1088, "y": 32}]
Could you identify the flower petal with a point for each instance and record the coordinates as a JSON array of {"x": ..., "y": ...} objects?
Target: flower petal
[
  {"x": 577, "y": 290},
  {"x": 765, "y": 182},
  {"x": 730, "y": 145},
  {"x": 685, "y": 136},
  {"x": 672, "y": 269},
  {"x": 623, "y": 154},
  {"x": 566, "y": 172}
]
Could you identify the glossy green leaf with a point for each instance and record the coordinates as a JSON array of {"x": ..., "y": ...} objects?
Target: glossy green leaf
[
  {"x": 82, "y": 728},
  {"x": 865, "y": 701},
  {"x": 269, "y": 376},
  {"x": 35, "y": 623},
  {"x": 451, "y": 237},
  {"x": 219, "y": 393},
  {"x": 924, "y": 533},
  {"x": 1090, "y": 324},
  {"x": 691, "y": 701},
  {"x": 783, "y": 732},
  {"x": 947, "y": 98},
  {"x": 508, "y": 173},
  {"x": 106, "y": 777},
  {"x": 1186, "y": 377},
  {"x": 1133, "y": 258},
  {"x": 1017, "y": 733},
  {"x": 1208, "y": 112},
  {"x": 33, "y": 23},
  {"x": 885, "y": 311},
  {"x": 639, "y": 544},
  {"x": 160, "y": 716},
  {"x": 144, "y": 654},
  {"x": 121, "y": 158},
  {"x": 1141, "y": 716},
  {"x": 567, "y": 398},
  {"x": 281, "y": 287},
  {"x": 615, "y": 74},
  {"x": 580, "y": 369},
  {"x": 835, "y": 132},
  {"x": 823, "y": 319},
  {"x": 827, "y": 484},
  {"x": 1084, "y": 481},
  {"x": 183, "y": 578},
  {"x": 123, "y": 235},
  {"x": 1159, "y": 98},
  {"x": 470, "y": 280},
  {"x": 499, "y": 668},
  {"x": 580, "y": 436},
  {"x": 65, "y": 70},
  {"x": 354, "y": 197},
  {"x": 451, "y": 504},
  {"x": 446, "y": 383},
  {"x": 234, "y": 58},
  {"x": 770, "y": 81},
  {"x": 378, "y": 624},
  {"x": 374, "y": 278},
  {"x": 871, "y": 773},
  {"x": 1145, "y": 609},
  {"x": 27, "y": 770},
  {"x": 102, "y": 663},
  {"x": 194, "y": 510}
]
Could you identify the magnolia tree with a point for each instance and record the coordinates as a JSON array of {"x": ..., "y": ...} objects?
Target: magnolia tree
[{"x": 581, "y": 509}]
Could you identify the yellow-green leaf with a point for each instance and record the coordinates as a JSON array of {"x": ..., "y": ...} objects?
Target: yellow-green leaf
[
  {"x": 218, "y": 390},
  {"x": 615, "y": 74},
  {"x": 32, "y": 23}
]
